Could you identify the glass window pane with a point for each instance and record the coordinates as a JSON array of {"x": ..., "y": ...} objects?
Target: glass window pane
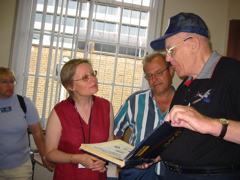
[
  {"x": 70, "y": 21},
  {"x": 38, "y": 17},
  {"x": 83, "y": 23},
  {"x": 135, "y": 14},
  {"x": 105, "y": 48},
  {"x": 49, "y": 18},
  {"x": 51, "y": 2},
  {"x": 126, "y": 13},
  {"x": 98, "y": 25},
  {"x": 124, "y": 29},
  {"x": 133, "y": 31},
  {"x": 101, "y": 9},
  {"x": 40, "y": 2},
  {"x": 144, "y": 16},
  {"x": 112, "y": 10},
  {"x": 72, "y": 4},
  {"x": 110, "y": 27},
  {"x": 142, "y": 32}
]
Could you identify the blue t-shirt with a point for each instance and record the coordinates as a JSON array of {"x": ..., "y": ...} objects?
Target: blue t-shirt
[{"x": 14, "y": 144}]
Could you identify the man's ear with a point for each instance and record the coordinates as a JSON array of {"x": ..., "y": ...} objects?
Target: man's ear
[{"x": 195, "y": 44}]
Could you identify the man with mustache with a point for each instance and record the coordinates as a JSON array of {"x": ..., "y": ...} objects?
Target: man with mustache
[{"x": 144, "y": 110}]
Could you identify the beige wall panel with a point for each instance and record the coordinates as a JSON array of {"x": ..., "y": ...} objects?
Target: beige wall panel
[{"x": 7, "y": 11}]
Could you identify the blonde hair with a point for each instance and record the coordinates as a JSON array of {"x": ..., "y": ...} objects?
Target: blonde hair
[
  {"x": 150, "y": 57},
  {"x": 7, "y": 71}
]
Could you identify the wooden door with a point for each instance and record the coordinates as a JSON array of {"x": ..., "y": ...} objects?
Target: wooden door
[{"x": 233, "y": 49}]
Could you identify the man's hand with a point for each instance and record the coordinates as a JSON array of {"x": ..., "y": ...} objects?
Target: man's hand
[
  {"x": 147, "y": 165},
  {"x": 188, "y": 117}
]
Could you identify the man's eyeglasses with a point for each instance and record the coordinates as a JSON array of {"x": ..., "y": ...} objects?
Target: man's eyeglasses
[
  {"x": 170, "y": 50},
  {"x": 86, "y": 77},
  {"x": 157, "y": 74},
  {"x": 4, "y": 81}
]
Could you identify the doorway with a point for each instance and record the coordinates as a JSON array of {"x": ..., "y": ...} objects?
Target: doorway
[{"x": 234, "y": 39}]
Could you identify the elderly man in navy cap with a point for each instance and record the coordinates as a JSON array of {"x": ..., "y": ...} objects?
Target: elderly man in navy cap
[{"x": 206, "y": 104}]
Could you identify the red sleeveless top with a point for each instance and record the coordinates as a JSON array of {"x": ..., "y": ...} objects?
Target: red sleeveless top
[{"x": 72, "y": 136}]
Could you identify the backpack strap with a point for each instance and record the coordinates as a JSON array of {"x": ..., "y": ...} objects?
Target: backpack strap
[
  {"x": 24, "y": 108},
  {"x": 22, "y": 103}
]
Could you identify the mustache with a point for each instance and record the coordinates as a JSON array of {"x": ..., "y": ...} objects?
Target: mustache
[{"x": 156, "y": 82}]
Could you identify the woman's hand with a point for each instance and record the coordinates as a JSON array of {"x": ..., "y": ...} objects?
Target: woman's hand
[
  {"x": 50, "y": 166},
  {"x": 91, "y": 162}
]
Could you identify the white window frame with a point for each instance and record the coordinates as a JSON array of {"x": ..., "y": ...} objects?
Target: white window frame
[{"x": 23, "y": 39}]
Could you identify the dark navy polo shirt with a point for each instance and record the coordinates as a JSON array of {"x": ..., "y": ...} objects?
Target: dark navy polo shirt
[{"x": 215, "y": 93}]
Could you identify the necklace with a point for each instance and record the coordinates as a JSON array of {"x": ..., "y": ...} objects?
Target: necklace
[{"x": 89, "y": 122}]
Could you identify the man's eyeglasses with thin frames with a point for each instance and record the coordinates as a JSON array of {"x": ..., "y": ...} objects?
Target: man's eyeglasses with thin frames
[
  {"x": 170, "y": 50},
  {"x": 157, "y": 74}
]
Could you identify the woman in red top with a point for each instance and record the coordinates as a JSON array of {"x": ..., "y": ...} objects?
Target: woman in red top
[{"x": 81, "y": 118}]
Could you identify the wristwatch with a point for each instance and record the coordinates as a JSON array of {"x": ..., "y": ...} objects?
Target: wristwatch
[{"x": 224, "y": 123}]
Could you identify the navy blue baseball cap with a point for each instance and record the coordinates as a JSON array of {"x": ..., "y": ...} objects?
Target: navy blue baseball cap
[{"x": 182, "y": 22}]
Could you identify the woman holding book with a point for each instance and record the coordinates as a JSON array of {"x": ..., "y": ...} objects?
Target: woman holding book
[{"x": 81, "y": 118}]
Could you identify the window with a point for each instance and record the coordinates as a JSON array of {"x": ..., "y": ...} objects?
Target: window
[
  {"x": 113, "y": 34},
  {"x": 112, "y": 10},
  {"x": 49, "y": 18},
  {"x": 83, "y": 23},
  {"x": 133, "y": 31},
  {"x": 72, "y": 5},
  {"x": 104, "y": 26},
  {"x": 144, "y": 15},
  {"x": 135, "y": 14},
  {"x": 110, "y": 27},
  {"x": 38, "y": 17},
  {"x": 101, "y": 9},
  {"x": 105, "y": 48},
  {"x": 70, "y": 21},
  {"x": 99, "y": 25},
  {"x": 126, "y": 13}
]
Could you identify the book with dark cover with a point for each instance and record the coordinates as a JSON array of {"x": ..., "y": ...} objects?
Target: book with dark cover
[{"x": 125, "y": 155}]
